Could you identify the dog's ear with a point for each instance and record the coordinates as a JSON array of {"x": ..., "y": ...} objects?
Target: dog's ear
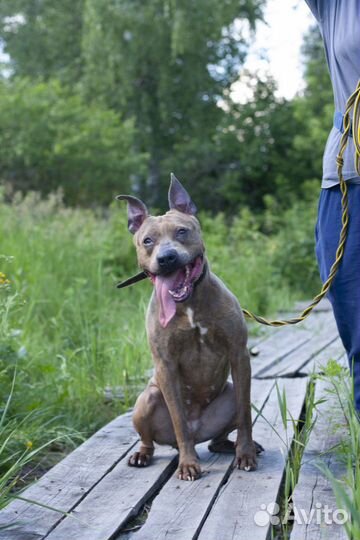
[
  {"x": 137, "y": 212},
  {"x": 179, "y": 199}
]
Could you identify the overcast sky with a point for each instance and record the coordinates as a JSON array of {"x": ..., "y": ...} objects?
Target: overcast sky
[{"x": 276, "y": 49}]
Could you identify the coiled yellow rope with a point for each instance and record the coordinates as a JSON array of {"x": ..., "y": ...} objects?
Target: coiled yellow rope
[{"x": 353, "y": 103}]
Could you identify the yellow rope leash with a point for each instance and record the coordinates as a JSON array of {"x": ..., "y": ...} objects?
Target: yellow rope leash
[{"x": 352, "y": 103}]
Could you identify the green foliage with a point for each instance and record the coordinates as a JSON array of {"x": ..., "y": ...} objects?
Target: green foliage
[
  {"x": 171, "y": 82},
  {"x": 243, "y": 257},
  {"x": 294, "y": 227},
  {"x": 163, "y": 63},
  {"x": 347, "y": 487},
  {"x": 256, "y": 145},
  {"x": 50, "y": 138},
  {"x": 318, "y": 91},
  {"x": 24, "y": 434},
  {"x": 145, "y": 89},
  {"x": 314, "y": 110},
  {"x": 43, "y": 38},
  {"x": 76, "y": 335}
]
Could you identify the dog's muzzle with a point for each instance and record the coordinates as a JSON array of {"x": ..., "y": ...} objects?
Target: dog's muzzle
[{"x": 172, "y": 288}]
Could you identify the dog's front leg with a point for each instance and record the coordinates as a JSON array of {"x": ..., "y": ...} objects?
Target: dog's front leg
[
  {"x": 241, "y": 375},
  {"x": 168, "y": 381}
]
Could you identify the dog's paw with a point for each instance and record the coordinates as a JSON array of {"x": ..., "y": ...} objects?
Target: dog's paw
[
  {"x": 188, "y": 470},
  {"x": 139, "y": 459},
  {"x": 246, "y": 457}
]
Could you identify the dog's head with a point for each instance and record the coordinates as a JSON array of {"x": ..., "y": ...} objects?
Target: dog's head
[{"x": 169, "y": 247}]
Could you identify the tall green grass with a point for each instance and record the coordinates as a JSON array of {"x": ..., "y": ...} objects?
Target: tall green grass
[
  {"x": 346, "y": 488},
  {"x": 78, "y": 343}
]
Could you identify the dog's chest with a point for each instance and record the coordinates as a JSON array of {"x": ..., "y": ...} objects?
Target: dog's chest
[
  {"x": 200, "y": 327},
  {"x": 203, "y": 359},
  {"x": 199, "y": 343}
]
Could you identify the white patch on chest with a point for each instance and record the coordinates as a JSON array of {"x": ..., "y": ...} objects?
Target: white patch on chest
[
  {"x": 190, "y": 315},
  {"x": 193, "y": 324}
]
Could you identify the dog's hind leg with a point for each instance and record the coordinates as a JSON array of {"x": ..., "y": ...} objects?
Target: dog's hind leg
[
  {"x": 223, "y": 445},
  {"x": 152, "y": 421},
  {"x": 218, "y": 420}
]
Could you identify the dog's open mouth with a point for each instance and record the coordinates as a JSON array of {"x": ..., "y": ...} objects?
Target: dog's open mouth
[
  {"x": 185, "y": 279},
  {"x": 176, "y": 287}
]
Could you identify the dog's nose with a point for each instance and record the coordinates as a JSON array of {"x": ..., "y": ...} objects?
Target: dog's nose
[{"x": 168, "y": 260}]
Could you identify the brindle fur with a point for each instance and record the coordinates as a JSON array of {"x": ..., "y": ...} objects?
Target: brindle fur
[{"x": 189, "y": 400}]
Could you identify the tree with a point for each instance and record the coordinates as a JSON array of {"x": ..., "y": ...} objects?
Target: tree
[
  {"x": 51, "y": 138},
  {"x": 164, "y": 63},
  {"x": 315, "y": 108},
  {"x": 253, "y": 150},
  {"x": 272, "y": 146},
  {"x": 167, "y": 64},
  {"x": 43, "y": 37}
]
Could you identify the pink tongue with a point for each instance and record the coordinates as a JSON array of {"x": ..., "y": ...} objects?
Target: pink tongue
[{"x": 167, "y": 306}]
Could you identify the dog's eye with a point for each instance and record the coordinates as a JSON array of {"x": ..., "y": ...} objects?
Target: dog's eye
[
  {"x": 181, "y": 232},
  {"x": 147, "y": 241}
]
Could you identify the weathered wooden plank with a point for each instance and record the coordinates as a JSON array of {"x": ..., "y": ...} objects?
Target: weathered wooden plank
[
  {"x": 334, "y": 351},
  {"x": 178, "y": 510},
  {"x": 280, "y": 343},
  {"x": 95, "y": 476},
  {"x": 313, "y": 491},
  {"x": 264, "y": 336},
  {"x": 119, "y": 496},
  {"x": 234, "y": 511},
  {"x": 324, "y": 305},
  {"x": 324, "y": 333},
  {"x": 256, "y": 340},
  {"x": 285, "y": 340},
  {"x": 68, "y": 482}
]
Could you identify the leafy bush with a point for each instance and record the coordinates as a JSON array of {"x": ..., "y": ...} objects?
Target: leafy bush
[
  {"x": 78, "y": 334},
  {"x": 51, "y": 138},
  {"x": 293, "y": 259},
  {"x": 24, "y": 436}
]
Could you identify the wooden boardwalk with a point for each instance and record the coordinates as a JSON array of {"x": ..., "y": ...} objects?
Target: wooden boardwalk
[{"x": 107, "y": 499}]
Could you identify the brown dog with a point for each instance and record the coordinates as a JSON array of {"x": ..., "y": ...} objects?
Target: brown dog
[{"x": 197, "y": 334}]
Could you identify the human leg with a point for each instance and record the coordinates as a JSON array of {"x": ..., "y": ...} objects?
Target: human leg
[{"x": 344, "y": 293}]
